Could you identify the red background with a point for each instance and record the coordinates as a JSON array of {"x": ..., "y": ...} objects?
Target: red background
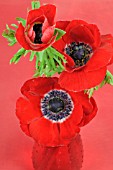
[{"x": 15, "y": 147}]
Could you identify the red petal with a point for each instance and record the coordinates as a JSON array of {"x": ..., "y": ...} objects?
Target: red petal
[
  {"x": 39, "y": 47},
  {"x": 70, "y": 65},
  {"x": 81, "y": 80},
  {"x": 75, "y": 23},
  {"x": 72, "y": 25},
  {"x": 80, "y": 31},
  {"x": 44, "y": 132},
  {"x": 96, "y": 34},
  {"x": 77, "y": 113},
  {"x": 33, "y": 15},
  {"x": 108, "y": 39},
  {"x": 68, "y": 131},
  {"x": 25, "y": 111},
  {"x": 100, "y": 58},
  {"x": 47, "y": 34},
  {"x": 25, "y": 129},
  {"x": 76, "y": 116},
  {"x": 84, "y": 101},
  {"x": 89, "y": 115},
  {"x": 81, "y": 34},
  {"x": 59, "y": 45},
  {"x": 20, "y": 36},
  {"x": 62, "y": 24},
  {"x": 49, "y": 12},
  {"x": 45, "y": 25},
  {"x": 57, "y": 86},
  {"x": 34, "y": 46},
  {"x": 38, "y": 86},
  {"x": 88, "y": 104}
]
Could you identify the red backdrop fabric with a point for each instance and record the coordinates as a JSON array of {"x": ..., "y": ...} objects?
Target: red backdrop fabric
[{"x": 15, "y": 147}]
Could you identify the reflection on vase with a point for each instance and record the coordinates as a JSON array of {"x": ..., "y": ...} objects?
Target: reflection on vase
[{"x": 59, "y": 158}]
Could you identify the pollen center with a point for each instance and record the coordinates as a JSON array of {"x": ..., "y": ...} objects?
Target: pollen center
[
  {"x": 79, "y": 52},
  {"x": 37, "y": 28},
  {"x": 56, "y": 105}
]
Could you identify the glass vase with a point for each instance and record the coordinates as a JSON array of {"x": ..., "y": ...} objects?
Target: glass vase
[{"x": 68, "y": 157}]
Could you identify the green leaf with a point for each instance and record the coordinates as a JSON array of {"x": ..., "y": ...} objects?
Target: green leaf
[
  {"x": 36, "y": 74},
  {"x": 59, "y": 69},
  {"x": 26, "y": 52},
  {"x": 37, "y": 60},
  {"x": 59, "y": 33},
  {"x": 11, "y": 39},
  {"x": 32, "y": 55},
  {"x": 12, "y": 43},
  {"x": 17, "y": 56},
  {"x": 40, "y": 63},
  {"x": 46, "y": 57},
  {"x": 9, "y": 34},
  {"x": 110, "y": 82},
  {"x": 14, "y": 25},
  {"x": 35, "y": 4},
  {"x": 9, "y": 30},
  {"x": 91, "y": 92},
  {"x": 49, "y": 62},
  {"x": 43, "y": 64},
  {"x": 59, "y": 62},
  {"x": 55, "y": 52},
  {"x": 7, "y": 27},
  {"x": 42, "y": 55},
  {"x": 102, "y": 84},
  {"x": 96, "y": 88},
  {"x": 109, "y": 78},
  {"x": 52, "y": 62},
  {"x": 47, "y": 71},
  {"x": 51, "y": 73},
  {"x": 23, "y": 21}
]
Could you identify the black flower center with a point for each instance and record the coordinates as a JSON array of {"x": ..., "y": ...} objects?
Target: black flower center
[
  {"x": 37, "y": 28},
  {"x": 79, "y": 52},
  {"x": 56, "y": 105}
]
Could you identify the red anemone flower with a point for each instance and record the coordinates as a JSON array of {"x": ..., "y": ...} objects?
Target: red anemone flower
[
  {"x": 51, "y": 115},
  {"x": 87, "y": 54},
  {"x": 38, "y": 33}
]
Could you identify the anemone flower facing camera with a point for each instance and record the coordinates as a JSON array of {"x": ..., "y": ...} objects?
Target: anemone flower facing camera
[
  {"x": 51, "y": 115},
  {"x": 87, "y": 54}
]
